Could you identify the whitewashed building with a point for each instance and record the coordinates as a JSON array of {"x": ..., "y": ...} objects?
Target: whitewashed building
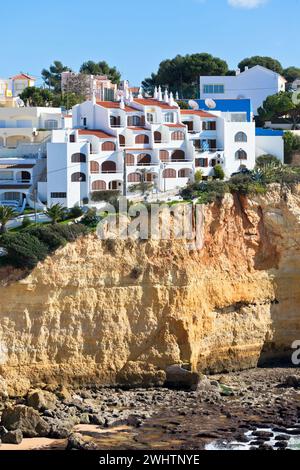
[
  {"x": 111, "y": 142},
  {"x": 24, "y": 133},
  {"x": 256, "y": 84}
]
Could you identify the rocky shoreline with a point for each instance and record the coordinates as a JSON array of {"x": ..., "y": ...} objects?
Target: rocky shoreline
[{"x": 259, "y": 408}]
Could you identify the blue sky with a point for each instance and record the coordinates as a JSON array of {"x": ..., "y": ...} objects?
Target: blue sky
[{"x": 135, "y": 36}]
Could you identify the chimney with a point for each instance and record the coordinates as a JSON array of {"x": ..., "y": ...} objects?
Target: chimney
[
  {"x": 237, "y": 72},
  {"x": 166, "y": 96},
  {"x": 246, "y": 68},
  {"x": 171, "y": 100},
  {"x": 155, "y": 96},
  {"x": 122, "y": 104},
  {"x": 160, "y": 97}
]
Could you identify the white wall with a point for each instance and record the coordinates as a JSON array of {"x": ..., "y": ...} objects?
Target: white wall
[
  {"x": 256, "y": 84},
  {"x": 272, "y": 145}
]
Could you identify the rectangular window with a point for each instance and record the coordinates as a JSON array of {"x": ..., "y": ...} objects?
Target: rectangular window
[
  {"x": 72, "y": 138},
  {"x": 238, "y": 117},
  {"x": 214, "y": 89},
  {"x": 58, "y": 195},
  {"x": 209, "y": 125},
  {"x": 201, "y": 162}
]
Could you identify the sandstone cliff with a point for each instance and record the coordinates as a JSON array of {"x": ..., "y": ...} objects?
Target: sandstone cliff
[{"x": 107, "y": 312}]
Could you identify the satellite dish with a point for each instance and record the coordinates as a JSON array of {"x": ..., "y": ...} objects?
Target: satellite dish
[
  {"x": 211, "y": 104},
  {"x": 20, "y": 103},
  {"x": 194, "y": 105}
]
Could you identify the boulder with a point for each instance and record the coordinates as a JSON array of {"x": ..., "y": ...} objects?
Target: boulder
[
  {"x": 26, "y": 419},
  {"x": 3, "y": 431},
  {"x": 293, "y": 381},
  {"x": 12, "y": 437},
  {"x": 181, "y": 379},
  {"x": 41, "y": 400},
  {"x": 77, "y": 442}
]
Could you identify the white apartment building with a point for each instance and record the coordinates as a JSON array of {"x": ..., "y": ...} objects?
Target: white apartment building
[
  {"x": 111, "y": 142},
  {"x": 256, "y": 83},
  {"x": 24, "y": 133}
]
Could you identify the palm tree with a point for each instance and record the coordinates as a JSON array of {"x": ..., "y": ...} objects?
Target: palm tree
[
  {"x": 56, "y": 213},
  {"x": 6, "y": 214}
]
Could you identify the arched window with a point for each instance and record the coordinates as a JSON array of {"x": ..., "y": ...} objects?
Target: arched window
[
  {"x": 115, "y": 121},
  {"x": 108, "y": 146},
  {"x": 95, "y": 167},
  {"x": 99, "y": 185},
  {"x": 133, "y": 121},
  {"x": 164, "y": 155},
  {"x": 134, "y": 178},
  {"x": 169, "y": 173},
  {"x": 109, "y": 167},
  {"x": 78, "y": 178},
  {"x": 241, "y": 137},
  {"x": 78, "y": 158},
  {"x": 129, "y": 159},
  {"x": 177, "y": 135},
  {"x": 184, "y": 173},
  {"x": 157, "y": 137},
  {"x": 142, "y": 139},
  {"x": 178, "y": 155},
  {"x": 122, "y": 140},
  {"x": 144, "y": 159},
  {"x": 241, "y": 155}
]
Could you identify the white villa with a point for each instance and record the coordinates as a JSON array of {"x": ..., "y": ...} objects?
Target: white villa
[
  {"x": 24, "y": 133},
  {"x": 256, "y": 83},
  {"x": 110, "y": 143}
]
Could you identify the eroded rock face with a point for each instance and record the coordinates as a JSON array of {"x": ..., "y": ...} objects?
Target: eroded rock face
[
  {"x": 25, "y": 419},
  {"x": 82, "y": 317}
]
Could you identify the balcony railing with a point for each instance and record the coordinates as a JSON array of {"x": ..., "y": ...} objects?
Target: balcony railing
[{"x": 211, "y": 150}]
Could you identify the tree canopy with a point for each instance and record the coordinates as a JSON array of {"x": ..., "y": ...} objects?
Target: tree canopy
[
  {"x": 52, "y": 77},
  {"x": 268, "y": 62},
  {"x": 291, "y": 73},
  {"x": 101, "y": 68},
  {"x": 281, "y": 105},
  {"x": 34, "y": 96},
  {"x": 182, "y": 73}
]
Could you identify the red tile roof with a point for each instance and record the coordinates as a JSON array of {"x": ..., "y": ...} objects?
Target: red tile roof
[
  {"x": 22, "y": 76},
  {"x": 136, "y": 128},
  {"x": 153, "y": 102},
  {"x": 197, "y": 112},
  {"x": 98, "y": 133},
  {"x": 116, "y": 105}
]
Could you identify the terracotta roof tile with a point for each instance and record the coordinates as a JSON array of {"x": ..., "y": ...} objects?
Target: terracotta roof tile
[
  {"x": 197, "y": 112},
  {"x": 175, "y": 125},
  {"x": 22, "y": 76},
  {"x": 153, "y": 102},
  {"x": 116, "y": 105},
  {"x": 98, "y": 133}
]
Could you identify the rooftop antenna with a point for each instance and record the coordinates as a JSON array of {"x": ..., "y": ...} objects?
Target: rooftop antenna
[{"x": 194, "y": 105}]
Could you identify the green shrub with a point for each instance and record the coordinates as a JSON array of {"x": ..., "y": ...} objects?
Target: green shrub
[
  {"x": 26, "y": 222},
  {"x": 23, "y": 249},
  {"x": 70, "y": 232},
  {"x": 91, "y": 219},
  {"x": 198, "y": 176},
  {"x": 106, "y": 196},
  {"x": 219, "y": 172},
  {"x": 267, "y": 159},
  {"x": 48, "y": 236},
  {"x": 75, "y": 212}
]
